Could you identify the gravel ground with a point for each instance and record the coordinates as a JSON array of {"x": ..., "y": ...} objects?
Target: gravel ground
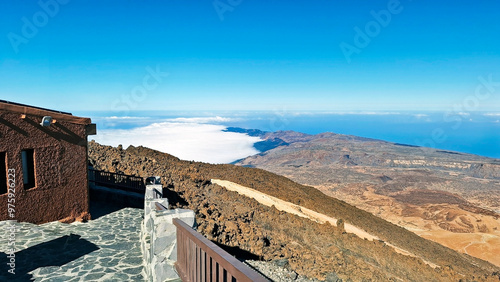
[{"x": 279, "y": 271}]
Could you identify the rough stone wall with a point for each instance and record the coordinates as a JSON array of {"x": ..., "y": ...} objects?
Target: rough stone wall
[
  {"x": 60, "y": 158},
  {"x": 159, "y": 237}
]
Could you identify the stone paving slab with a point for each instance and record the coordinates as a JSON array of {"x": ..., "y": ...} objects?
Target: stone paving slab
[{"x": 104, "y": 249}]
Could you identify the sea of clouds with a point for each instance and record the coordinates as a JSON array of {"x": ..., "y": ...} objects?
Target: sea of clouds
[
  {"x": 197, "y": 139},
  {"x": 202, "y": 138}
]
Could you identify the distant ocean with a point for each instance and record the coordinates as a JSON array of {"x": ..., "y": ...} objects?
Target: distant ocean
[{"x": 474, "y": 133}]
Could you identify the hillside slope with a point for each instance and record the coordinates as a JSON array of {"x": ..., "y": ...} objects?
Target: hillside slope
[
  {"x": 449, "y": 197},
  {"x": 249, "y": 229}
]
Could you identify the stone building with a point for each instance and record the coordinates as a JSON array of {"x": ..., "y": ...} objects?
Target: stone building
[{"x": 43, "y": 164}]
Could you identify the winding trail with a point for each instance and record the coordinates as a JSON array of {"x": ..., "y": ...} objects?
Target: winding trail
[{"x": 285, "y": 206}]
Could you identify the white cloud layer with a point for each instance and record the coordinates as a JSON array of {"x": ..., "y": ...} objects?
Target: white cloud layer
[
  {"x": 361, "y": 113},
  {"x": 420, "y": 115},
  {"x": 216, "y": 119},
  {"x": 187, "y": 141},
  {"x": 123, "y": 118}
]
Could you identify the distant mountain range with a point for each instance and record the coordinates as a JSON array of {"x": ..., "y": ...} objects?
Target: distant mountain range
[
  {"x": 449, "y": 197},
  {"x": 262, "y": 146},
  {"x": 248, "y": 229}
]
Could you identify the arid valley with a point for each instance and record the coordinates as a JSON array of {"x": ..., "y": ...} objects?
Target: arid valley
[{"x": 447, "y": 197}]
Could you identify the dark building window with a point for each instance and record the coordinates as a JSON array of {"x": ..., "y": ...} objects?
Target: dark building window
[
  {"x": 28, "y": 168},
  {"x": 3, "y": 173}
]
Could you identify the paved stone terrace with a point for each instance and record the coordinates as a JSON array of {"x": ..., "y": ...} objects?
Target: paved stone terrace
[{"x": 104, "y": 249}]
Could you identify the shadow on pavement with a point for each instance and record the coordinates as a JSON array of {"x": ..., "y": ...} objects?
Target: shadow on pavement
[{"x": 56, "y": 252}]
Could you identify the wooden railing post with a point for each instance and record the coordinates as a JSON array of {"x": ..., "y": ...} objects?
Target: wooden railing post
[{"x": 199, "y": 259}]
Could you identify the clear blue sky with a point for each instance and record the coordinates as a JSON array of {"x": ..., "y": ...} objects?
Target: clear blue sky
[{"x": 257, "y": 55}]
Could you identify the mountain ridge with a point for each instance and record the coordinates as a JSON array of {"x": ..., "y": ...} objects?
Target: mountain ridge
[
  {"x": 312, "y": 249},
  {"x": 429, "y": 191}
]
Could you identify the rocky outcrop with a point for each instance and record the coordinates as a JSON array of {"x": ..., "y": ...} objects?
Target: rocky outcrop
[{"x": 251, "y": 230}]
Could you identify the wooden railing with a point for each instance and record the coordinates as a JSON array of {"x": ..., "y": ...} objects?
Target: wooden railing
[
  {"x": 160, "y": 207},
  {"x": 115, "y": 180},
  {"x": 157, "y": 194},
  {"x": 200, "y": 260}
]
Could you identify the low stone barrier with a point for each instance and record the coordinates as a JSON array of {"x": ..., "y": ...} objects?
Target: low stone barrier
[{"x": 158, "y": 235}]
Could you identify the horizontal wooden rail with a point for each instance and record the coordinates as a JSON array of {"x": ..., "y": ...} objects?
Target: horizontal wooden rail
[
  {"x": 200, "y": 260},
  {"x": 157, "y": 194},
  {"x": 160, "y": 207},
  {"x": 116, "y": 180}
]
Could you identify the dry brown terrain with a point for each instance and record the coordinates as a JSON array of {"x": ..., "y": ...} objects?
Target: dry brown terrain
[
  {"x": 307, "y": 213},
  {"x": 249, "y": 229},
  {"x": 448, "y": 197},
  {"x": 469, "y": 232}
]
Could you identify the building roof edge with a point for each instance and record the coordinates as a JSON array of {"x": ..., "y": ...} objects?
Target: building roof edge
[{"x": 33, "y": 110}]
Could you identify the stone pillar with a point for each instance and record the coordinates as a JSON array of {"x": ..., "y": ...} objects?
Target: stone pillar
[{"x": 159, "y": 237}]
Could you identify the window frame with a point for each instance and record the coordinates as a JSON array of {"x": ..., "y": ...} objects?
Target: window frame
[
  {"x": 28, "y": 162},
  {"x": 4, "y": 186}
]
